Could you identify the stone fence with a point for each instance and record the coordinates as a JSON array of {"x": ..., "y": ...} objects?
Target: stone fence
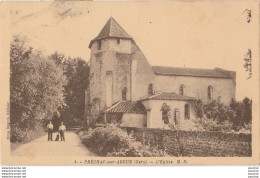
[{"x": 195, "y": 143}]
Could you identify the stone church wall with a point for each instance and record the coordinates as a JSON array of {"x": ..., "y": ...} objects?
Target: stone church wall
[
  {"x": 133, "y": 120},
  {"x": 197, "y": 86},
  {"x": 142, "y": 74},
  {"x": 154, "y": 116},
  {"x": 108, "y": 60},
  {"x": 195, "y": 143}
]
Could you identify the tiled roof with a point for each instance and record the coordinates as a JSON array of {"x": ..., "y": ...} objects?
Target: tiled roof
[
  {"x": 168, "y": 96},
  {"x": 176, "y": 71},
  {"x": 127, "y": 107},
  {"x": 111, "y": 30}
]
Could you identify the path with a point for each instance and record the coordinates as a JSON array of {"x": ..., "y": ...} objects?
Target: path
[{"x": 42, "y": 147}]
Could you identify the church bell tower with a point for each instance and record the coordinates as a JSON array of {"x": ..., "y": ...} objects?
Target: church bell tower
[{"x": 110, "y": 67}]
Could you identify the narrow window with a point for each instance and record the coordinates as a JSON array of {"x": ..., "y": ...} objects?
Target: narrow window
[
  {"x": 109, "y": 88},
  {"x": 181, "y": 90},
  {"x": 118, "y": 41},
  {"x": 124, "y": 94},
  {"x": 99, "y": 45},
  {"x": 210, "y": 92},
  {"x": 176, "y": 116},
  {"x": 150, "y": 89},
  {"x": 187, "y": 111}
]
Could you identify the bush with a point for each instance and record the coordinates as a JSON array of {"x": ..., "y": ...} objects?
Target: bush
[
  {"x": 213, "y": 110},
  {"x": 246, "y": 128},
  {"x": 243, "y": 112},
  {"x": 215, "y": 116},
  {"x": 209, "y": 124},
  {"x": 113, "y": 141},
  {"x": 20, "y": 133}
]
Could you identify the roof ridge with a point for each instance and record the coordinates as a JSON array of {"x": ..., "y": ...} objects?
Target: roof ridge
[
  {"x": 113, "y": 106},
  {"x": 126, "y": 107},
  {"x": 150, "y": 96},
  {"x": 194, "y": 72},
  {"x": 169, "y": 96},
  {"x": 109, "y": 33},
  {"x": 222, "y": 70},
  {"x": 184, "y": 67},
  {"x": 154, "y": 95}
]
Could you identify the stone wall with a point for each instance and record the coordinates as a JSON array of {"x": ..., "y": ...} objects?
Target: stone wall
[
  {"x": 197, "y": 86},
  {"x": 122, "y": 76},
  {"x": 110, "y": 71},
  {"x": 194, "y": 143},
  {"x": 127, "y": 67},
  {"x": 133, "y": 120},
  {"x": 142, "y": 74}
]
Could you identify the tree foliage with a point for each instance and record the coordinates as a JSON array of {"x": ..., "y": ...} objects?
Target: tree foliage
[
  {"x": 214, "y": 110},
  {"x": 243, "y": 111},
  {"x": 76, "y": 71},
  {"x": 36, "y": 87},
  {"x": 215, "y": 116}
]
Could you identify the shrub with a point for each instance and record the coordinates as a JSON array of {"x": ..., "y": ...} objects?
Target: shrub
[
  {"x": 209, "y": 124},
  {"x": 113, "y": 141},
  {"x": 246, "y": 128},
  {"x": 166, "y": 113},
  {"x": 215, "y": 116},
  {"x": 213, "y": 110},
  {"x": 21, "y": 133},
  {"x": 243, "y": 111}
]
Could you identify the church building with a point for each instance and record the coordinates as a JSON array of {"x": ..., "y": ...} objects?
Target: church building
[{"x": 125, "y": 89}]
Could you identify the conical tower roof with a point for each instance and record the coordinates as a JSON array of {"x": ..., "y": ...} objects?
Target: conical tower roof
[{"x": 111, "y": 30}]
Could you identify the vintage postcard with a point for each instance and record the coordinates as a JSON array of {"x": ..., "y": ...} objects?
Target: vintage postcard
[{"x": 129, "y": 83}]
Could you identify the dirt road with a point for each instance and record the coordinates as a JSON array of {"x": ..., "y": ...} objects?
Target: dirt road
[{"x": 41, "y": 147}]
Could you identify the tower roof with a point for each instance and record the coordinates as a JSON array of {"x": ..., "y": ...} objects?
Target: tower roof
[{"x": 111, "y": 30}]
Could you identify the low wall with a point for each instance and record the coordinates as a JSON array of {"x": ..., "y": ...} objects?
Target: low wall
[{"x": 195, "y": 143}]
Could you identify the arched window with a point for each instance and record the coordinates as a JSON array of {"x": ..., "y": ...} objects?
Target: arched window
[
  {"x": 150, "y": 89},
  {"x": 187, "y": 111},
  {"x": 182, "y": 90},
  {"x": 210, "y": 92},
  {"x": 124, "y": 94}
]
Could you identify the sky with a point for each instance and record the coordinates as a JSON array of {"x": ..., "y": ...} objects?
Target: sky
[{"x": 178, "y": 34}]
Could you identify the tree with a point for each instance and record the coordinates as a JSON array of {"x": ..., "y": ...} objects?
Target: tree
[
  {"x": 243, "y": 111},
  {"x": 58, "y": 58},
  {"x": 248, "y": 110},
  {"x": 213, "y": 110},
  {"x": 76, "y": 71},
  {"x": 36, "y": 87},
  {"x": 217, "y": 116}
]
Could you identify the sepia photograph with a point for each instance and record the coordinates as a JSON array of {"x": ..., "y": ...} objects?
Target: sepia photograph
[{"x": 130, "y": 83}]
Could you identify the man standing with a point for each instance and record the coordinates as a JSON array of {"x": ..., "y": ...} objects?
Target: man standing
[
  {"x": 50, "y": 130},
  {"x": 62, "y": 129}
]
